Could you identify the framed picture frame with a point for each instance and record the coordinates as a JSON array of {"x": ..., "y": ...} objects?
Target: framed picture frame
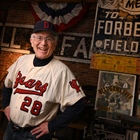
[{"x": 115, "y": 94}]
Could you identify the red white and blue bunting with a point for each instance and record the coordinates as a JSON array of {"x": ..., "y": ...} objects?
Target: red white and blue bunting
[{"x": 62, "y": 15}]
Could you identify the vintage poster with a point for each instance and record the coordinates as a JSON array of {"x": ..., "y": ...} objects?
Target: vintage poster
[
  {"x": 115, "y": 94},
  {"x": 117, "y": 28}
]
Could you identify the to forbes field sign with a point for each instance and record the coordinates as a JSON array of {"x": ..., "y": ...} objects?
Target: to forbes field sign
[{"x": 117, "y": 27}]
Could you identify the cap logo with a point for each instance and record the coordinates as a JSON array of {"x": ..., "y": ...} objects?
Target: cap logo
[{"x": 46, "y": 25}]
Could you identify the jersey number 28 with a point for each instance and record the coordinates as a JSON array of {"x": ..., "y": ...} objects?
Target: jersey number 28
[{"x": 34, "y": 109}]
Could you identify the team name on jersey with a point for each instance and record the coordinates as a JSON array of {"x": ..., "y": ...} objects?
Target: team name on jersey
[{"x": 29, "y": 84}]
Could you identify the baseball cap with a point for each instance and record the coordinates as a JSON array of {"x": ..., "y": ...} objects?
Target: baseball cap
[{"x": 44, "y": 26}]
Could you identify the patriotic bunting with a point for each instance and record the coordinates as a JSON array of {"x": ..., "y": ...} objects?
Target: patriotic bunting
[{"x": 62, "y": 15}]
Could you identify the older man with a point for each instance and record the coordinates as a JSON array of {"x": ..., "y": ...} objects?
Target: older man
[{"x": 36, "y": 87}]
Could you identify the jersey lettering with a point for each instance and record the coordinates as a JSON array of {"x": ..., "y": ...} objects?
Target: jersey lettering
[
  {"x": 74, "y": 85},
  {"x": 27, "y": 102},
  {"x": 36, "y": 108},
  {"x": 29, "y": 84}
]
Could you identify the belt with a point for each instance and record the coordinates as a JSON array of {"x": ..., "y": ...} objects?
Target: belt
[{"x": 15, "y": 127}]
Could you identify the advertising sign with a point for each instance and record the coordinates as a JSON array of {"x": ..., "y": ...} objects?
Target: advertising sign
[{"x": 117, "y": 27}]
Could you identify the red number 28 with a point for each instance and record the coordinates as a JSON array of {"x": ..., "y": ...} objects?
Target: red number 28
[{"x": 35, "y": 109}]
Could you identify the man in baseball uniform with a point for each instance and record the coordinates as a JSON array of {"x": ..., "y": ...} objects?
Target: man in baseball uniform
[{"x": 36, "y": 87}]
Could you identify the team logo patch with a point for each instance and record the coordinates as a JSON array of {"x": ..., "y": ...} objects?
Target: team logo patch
[{"x": 74, "y": 85}]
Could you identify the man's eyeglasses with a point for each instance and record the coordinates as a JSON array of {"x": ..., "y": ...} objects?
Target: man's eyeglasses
[{"x": 40, "y": 39}]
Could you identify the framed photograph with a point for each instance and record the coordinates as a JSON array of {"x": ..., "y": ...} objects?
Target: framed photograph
[{"x": 115, "y": 94}]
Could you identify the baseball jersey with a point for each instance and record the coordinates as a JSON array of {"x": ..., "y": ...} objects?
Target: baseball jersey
[{"x": 38, "y": 92}]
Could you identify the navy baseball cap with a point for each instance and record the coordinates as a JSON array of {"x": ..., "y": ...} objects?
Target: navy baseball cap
[{"x": 44, "y": 26}]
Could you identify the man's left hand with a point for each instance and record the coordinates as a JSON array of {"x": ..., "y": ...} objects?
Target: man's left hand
[{"x": 40, "y": 130}]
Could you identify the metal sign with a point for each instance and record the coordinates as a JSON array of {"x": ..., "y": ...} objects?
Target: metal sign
[{"x": 117, "y": 27}]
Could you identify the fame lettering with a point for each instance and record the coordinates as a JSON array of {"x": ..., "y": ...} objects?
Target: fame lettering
[
  {"x": 74, "y": 85},
  {"x": 29, "y": 84}
]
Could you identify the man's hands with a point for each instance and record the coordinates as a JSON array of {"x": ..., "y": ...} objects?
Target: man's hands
[
  {"x": 41, "y": 130},
  {"x": 7, "y": 112}
]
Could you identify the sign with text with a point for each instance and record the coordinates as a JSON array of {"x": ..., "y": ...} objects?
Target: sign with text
[
  {"x": 117, "y": 27},
  {"x": 124, "y": 64}
]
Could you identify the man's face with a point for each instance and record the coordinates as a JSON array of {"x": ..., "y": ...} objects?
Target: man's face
[{"x": 43, "y": 43}]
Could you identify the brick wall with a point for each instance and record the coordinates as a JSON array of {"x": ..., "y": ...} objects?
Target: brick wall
[{"x": 6, "y": 59}]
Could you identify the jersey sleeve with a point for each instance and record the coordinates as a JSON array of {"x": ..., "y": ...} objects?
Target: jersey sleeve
[{"x": 69, "y": 89}]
